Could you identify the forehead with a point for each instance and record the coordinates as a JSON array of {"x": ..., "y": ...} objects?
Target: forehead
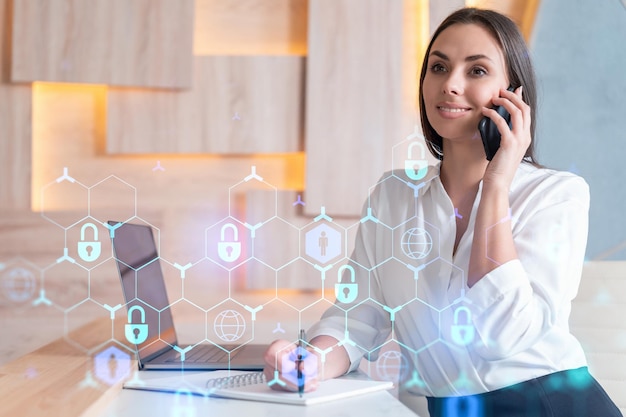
[{"x": 462, "y": 40}]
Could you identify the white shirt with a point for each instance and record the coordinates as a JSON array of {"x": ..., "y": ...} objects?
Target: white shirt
[{"x": 515, "y": 319}]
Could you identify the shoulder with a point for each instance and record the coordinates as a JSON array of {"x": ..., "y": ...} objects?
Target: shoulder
[
  {"x": 394, "y": 194},
  {"x": 548, "y": 185},
  {"x": 399, "y": 181}
]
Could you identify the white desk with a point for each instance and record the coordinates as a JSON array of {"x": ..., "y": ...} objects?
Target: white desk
[
  {"x": 149, "y": 404},
  {"x": 50, "y": 382}
]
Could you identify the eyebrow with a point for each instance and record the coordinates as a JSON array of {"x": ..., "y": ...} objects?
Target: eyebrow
[{"x": 467, "y": 59}]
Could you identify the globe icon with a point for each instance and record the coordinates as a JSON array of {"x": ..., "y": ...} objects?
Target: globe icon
[
  {"x": 416, "y": 243},
  {"x": 391, "y": 366},
  {"x": 18, "y": 284},
  {"x": 229, "y": 325}
]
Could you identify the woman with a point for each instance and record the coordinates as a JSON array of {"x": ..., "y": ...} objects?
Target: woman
[{"x": 481, "y": 313}]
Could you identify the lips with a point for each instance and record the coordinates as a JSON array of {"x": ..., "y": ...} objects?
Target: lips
[
  {"x": 452, "y": 107},
  {"x": 452, "y": 110}
]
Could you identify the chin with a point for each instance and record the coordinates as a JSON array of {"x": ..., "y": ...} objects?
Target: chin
[
  {"x": 456, "y": 134},
  {"x": 465, "y": 132}
]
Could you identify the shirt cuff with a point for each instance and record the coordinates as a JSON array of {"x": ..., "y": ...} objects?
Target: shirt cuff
[{"x": 327, "y": 327}]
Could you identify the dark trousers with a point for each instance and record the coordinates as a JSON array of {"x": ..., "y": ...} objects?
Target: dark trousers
[{"x": 571, "y": 393}]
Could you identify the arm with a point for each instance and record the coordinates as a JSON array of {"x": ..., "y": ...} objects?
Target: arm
[
  {"x": 520, "y": 291},
  {"x": 344, "y": 326},
  {"x": 523, "y": 300},
  {"x": 493, "y": 241}
]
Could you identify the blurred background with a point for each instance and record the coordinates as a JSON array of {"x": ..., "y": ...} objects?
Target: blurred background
[{"x": 188, "y": 114}]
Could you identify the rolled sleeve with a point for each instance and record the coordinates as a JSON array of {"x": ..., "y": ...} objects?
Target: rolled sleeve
[
  {"x": 523, "y": 300},
  {"x": 336, "y": 327}
]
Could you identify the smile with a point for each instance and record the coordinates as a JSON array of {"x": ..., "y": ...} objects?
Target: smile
[{"x": 452, "y": 110}]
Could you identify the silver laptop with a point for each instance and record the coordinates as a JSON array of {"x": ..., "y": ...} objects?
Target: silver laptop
[{"x": 143, "y": 285}]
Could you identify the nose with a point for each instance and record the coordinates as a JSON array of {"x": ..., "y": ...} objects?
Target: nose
[{"x": 453, "y": 85}]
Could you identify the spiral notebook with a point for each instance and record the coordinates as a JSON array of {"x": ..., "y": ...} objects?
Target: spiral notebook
[{"x": 252, "y": 386}]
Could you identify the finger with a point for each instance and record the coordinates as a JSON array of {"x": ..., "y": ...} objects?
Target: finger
[
  {"x": 512, "y": 105},
  {"x": 283, "y": 359},
  {"x": 521, "y": 107},
  {"x": 273, "y": 356},
  {"x": 300, "y": 371},
  {"x": 517, "y": 125},
  {"x": 498, "y": 120}
]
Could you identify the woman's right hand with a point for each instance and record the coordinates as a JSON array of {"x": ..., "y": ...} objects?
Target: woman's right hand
[{"x": 281, "y": 366}]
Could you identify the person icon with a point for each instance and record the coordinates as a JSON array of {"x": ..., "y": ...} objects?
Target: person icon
[{"x": 323, "y": 243}]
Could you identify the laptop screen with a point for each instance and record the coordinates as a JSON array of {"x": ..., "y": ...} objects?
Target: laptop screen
[{"x": 143, "y": 285}]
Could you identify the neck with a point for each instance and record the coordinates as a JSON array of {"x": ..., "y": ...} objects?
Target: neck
[{"x": 462, "y": 168}]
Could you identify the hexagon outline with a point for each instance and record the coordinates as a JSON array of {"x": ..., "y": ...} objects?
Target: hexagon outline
[{"x": 134, "y": 189}]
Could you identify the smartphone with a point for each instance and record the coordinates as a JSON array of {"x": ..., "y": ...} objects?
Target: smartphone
[{"x": 489, "y": 131}]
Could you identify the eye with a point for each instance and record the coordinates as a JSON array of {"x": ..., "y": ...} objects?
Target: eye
[
  {"x": 478, "y": 71},
  {"x": 437, "y": 67}
]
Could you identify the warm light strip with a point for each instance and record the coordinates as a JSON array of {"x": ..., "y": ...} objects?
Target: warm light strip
[
  {"x": 48, "y": 124},
  {"x": 528, "y": 18},
  {"x": 69, "y": 130},
  {"x": 423, "y": 12}
]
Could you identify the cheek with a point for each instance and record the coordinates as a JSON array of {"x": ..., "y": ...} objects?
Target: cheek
[
  {"x": 487, "y": 99},
  {"x": 428, "y": 90},
  {"x": 484, "y": 96}
]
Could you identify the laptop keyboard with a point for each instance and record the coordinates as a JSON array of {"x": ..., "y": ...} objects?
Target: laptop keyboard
[{"x": 204, "y": 354}]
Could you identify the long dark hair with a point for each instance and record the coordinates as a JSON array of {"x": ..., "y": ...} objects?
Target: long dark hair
[{"x": 518, "y": 66}]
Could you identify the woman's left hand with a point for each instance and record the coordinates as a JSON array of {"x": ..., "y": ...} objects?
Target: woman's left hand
[{"x": 514, "y": 142}]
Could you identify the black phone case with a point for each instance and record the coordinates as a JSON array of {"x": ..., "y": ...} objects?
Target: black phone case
[{"x": 489, "y": 131}]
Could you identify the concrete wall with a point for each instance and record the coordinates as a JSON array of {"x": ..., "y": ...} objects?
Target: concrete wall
[{"x": 579, "y": 49}]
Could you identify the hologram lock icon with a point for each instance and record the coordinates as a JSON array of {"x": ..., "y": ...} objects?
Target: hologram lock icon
[
  {"x": 462, "y": 334},
  {"x": 89, "y": 251},
  {"x": 346, "y": 292},
  {"x": 229, "y": 251},
  {"x": 416, "y": 169},
  {"x": 136, "y": 332}
]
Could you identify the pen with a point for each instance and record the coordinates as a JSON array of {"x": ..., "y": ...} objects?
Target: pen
[{"x": 299, "y": 362}]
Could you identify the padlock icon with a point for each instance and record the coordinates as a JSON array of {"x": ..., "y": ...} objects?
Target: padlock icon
[
  {"x": 346, "y": 293},
  {"x": 89, "y": 251},
  {"x": 136, "y": 333},
  {"x": 229, "y": 251},
  {"x": 462, "y": 334},
  {"x": 416, "y": 169},
  {"x": 183, "y": 410}
]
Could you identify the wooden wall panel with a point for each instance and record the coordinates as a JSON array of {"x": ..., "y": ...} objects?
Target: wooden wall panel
[
  {"x": 180, "y": 195},
  {"x": 118, "y": 42},
  {"x": 15, "y": 126},
  {"x": 359, "y": 54},
  {"x": 250, "y": 27},
  {"x": 238, "y": 105}
]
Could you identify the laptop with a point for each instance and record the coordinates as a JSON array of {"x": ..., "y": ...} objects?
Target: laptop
[{"x": 142, "y": 279}]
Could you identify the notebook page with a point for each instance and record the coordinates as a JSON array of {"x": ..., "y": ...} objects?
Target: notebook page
[{"x": 330, "y": 390}]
